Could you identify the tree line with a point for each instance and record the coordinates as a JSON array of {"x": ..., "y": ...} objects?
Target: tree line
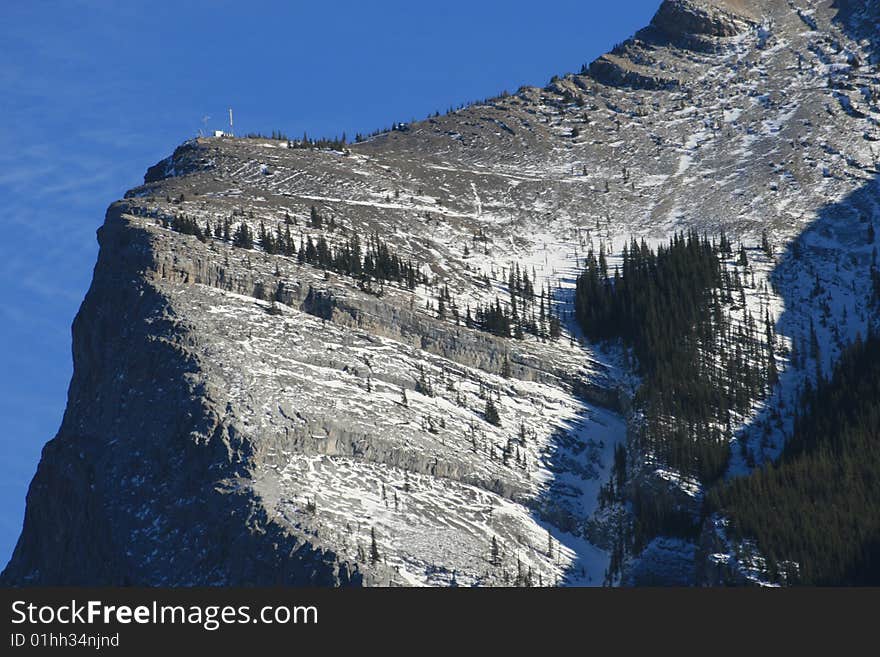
[
  {"x": 672, "y": 306},
  {"x": 374, "y": 260},
  {"x": 814, "y": 513}
]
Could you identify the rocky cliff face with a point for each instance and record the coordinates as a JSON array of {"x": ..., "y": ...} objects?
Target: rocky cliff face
[{"x": 240, "y": 417}]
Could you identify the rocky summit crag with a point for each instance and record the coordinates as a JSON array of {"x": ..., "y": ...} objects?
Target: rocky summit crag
[{"x": 239, "y": 417}]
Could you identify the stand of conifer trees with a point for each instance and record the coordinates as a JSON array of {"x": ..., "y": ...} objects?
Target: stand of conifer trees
[
  {"x": 527, "y": 312},
  {"x": 817, "y": 506},
  {"x": 671, "y": 306},
  {"x": 377, "y": 261}
]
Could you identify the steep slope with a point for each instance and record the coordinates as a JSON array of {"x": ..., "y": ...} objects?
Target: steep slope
[{"x": 241, "y": 417}]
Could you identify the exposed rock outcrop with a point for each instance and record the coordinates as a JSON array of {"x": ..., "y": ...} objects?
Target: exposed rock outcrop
[
  {"x": 712, "y": 18},
  {"x": 239, "y": 416}
]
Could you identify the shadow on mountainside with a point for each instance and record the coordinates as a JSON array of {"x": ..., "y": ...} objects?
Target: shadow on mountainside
[
  {"x": 823, "y": 274},
  {"x": 581, "y": 456}
]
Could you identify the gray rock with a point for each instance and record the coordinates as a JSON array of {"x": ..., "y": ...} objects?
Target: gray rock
[{"x": 236, "y": 417}]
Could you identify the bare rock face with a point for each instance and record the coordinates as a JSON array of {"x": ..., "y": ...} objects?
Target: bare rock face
[
  {"x": 140, "y": 485},
  {"x": 622, "y": 72},
  {"x": 242, "y": 416},
  {"x": 185, "y": 159},
  {"x": 711, "y": 18}
]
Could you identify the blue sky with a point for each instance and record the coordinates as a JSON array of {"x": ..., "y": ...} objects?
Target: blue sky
[{"x": 93, "y": 92}]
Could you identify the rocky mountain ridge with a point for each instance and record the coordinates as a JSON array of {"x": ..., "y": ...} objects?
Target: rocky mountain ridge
[{"x": 240, "y": 417}]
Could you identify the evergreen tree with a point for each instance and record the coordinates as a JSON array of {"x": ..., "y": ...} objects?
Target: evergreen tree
[
  {"x": 491, "y": 413},
  {"x": 555, "y": 327},
  {"x": 495, "y": 553},
  {"x": 766, "y": 247},
  {"x": 243, "y": 237},
  {"x": 315, "y": 219},
  {"x": 374, "y": 548}
]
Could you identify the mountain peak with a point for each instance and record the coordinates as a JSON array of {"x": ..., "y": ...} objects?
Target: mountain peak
[
  {"x": 706, "y": 18},
  {"x": 296, "y": 358}
]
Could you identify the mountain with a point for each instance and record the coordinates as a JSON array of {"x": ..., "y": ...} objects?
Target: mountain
[{"x": 361, "y": 364}]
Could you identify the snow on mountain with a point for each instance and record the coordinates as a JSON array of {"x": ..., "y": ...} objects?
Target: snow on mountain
[{"x": 331, "y": 412}]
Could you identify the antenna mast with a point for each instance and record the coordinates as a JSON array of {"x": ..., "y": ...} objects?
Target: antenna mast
[{"x": 231, "y": 130}]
